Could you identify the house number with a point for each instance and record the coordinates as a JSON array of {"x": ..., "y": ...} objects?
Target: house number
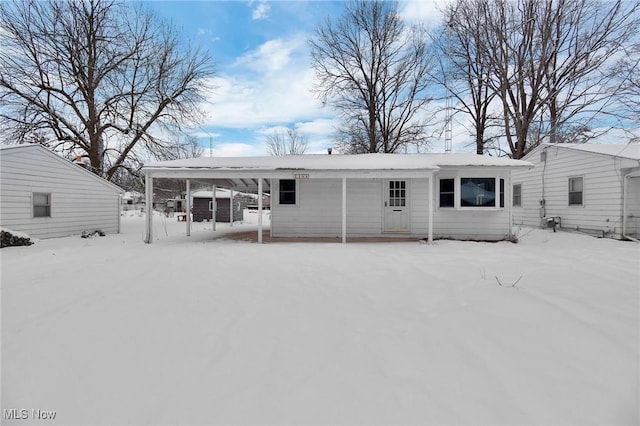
[{"x": 301, "y": 176}]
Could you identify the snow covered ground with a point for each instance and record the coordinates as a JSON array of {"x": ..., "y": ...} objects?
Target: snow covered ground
[{"x": 192, "y": 330}]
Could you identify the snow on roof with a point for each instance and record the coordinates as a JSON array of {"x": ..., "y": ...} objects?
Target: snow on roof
[
  {"x": 339, "y": 162},
  {"x": 630, "y": 150},
  {"x": 220, "y": 193}
]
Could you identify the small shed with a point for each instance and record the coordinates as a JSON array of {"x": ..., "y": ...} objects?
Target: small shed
[
  {"x": 591, "y": 188},
  {"x": 202, "y": 206},
  {"x": 47, "y": 196}
]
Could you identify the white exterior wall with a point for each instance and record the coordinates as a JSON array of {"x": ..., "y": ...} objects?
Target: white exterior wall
[
  {"x": 79, "y": 200},
  {"x": 318, "y": 211},
  {"x": 472, "y": 223},
  {"x": 603, "y": 180}
]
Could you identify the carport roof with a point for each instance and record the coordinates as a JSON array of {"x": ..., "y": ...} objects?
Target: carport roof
[{"x": 242, "y": 172}]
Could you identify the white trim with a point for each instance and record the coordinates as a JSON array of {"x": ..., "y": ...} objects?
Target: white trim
[{"x": 275, "y": 190}]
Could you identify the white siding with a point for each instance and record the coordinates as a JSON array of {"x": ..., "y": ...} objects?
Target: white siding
[
  {"x": 478, "y": 223},
  {"x": 603, "y": 177},
  {"x": 318, "y": 211},
  {"x": 79, "y": 200}
]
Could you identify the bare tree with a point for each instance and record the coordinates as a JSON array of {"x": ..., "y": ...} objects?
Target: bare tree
[
  {"x": 465, "y": 70},
  {"x": 97, "y": 77},
  {"x": 285, "y": 143},
  {"x": 552, "y": 64},
  {"x": 375, "y": 70}
]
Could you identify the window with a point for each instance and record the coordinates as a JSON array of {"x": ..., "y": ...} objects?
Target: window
[
  {"x": 575, "y": 191},
  {"x": 447, "y": 191},
  {"x": 397, "y": 193},
  {"x": 477, "y": 192},
  {"x": 41, "y": 204},
  {"x": 517, "y": 195},
  {"x": 287, "y": 191}
]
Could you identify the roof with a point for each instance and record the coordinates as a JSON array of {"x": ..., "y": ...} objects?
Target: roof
[
  {"x": 244, "y": 172},
  {"x": 55, "y": 157},
  {"x": 220, "y": 193},
  {"x": 629, "y": 150},
  {"x": 337, "y": 162}
]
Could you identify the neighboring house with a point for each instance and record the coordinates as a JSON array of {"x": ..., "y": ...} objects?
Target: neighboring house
[
  {"x": 594, "y": 188},
  {"x": 202, "y": 208},
  {"x": 461, "y": 196},
  {"x": 47, "y": 196},
  {"x": 132, "y": 200}
]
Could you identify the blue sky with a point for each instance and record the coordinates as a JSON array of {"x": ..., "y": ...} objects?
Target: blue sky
[{"x": 263, "y": 77}]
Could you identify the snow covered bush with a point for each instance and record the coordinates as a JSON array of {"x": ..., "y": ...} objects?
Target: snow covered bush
[{"x": 12, "y": 238}]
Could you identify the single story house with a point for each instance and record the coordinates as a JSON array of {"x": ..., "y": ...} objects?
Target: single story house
[
  {"x": 47, "y": 196},
  {"x": 461, "y": 196},
  {"x": 593, "y": 188},
  {"x": 132, "y": 200},
  {"x": 202, "y": 207}
]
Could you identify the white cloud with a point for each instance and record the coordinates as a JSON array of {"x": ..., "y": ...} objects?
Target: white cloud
[
  {"x": 420, "y": 11},
  {"x": 268, "y": 86},
  {"x": 271, "y": 56},
  {"x": 235, "y": 149},
  {"x": 260, "y": 11}
]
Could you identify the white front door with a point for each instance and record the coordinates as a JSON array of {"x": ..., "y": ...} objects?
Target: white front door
[{"x": 396, "y": 206}]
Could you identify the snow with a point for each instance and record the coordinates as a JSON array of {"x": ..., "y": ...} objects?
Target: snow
[
  {"x": 18, "y": 234},
  {"x": 220, "y": 193},
  {"x": 197, "y": 330},
  {"x": 628, "y": 150},
  {"x": 337, "y": 162}
]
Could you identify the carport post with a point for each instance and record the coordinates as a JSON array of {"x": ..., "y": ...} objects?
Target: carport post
[
  {"x": 259, "y": 210},
  {"x": 431, "y": 184},
  {"x": 214, "y": 207},
  {"x": 188, "y": 217},
  {"x": 344, "y": 210},
  {"x": 231, "y": 207},
  {"x": 148, "y": 199}
]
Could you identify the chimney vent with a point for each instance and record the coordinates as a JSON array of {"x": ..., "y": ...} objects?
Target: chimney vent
[{"x": 329, "y": 151}]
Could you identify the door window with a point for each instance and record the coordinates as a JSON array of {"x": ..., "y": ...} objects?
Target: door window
[{"x": 397, "y": 193}]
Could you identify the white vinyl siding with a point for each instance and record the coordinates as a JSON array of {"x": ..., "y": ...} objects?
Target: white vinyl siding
[
  {"x": 319, "y": 211},
  {"x": 79, "y": 201},
  {"x": 473, "y": 223},
  {"x": 602, "y": 178}
]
